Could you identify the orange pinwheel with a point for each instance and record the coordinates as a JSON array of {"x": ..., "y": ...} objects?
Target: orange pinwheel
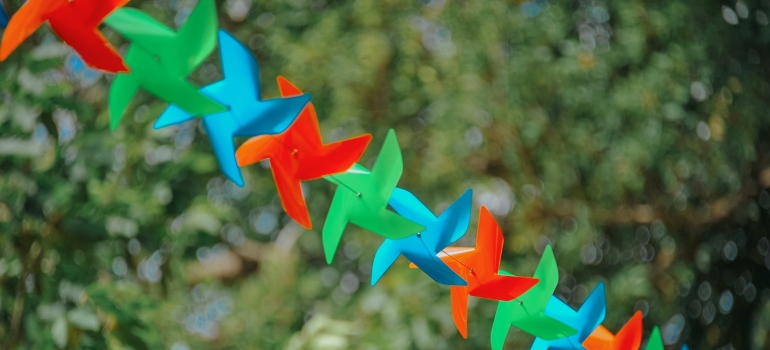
[
  {"x": 479, "y": 267},
  {"x": 628, "y": 338},
  {"x": 75, "y": 22},
  {"x": 298, "y": 154}
]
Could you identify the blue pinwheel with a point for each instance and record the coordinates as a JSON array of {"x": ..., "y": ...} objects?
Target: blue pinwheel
[
  {"x": 248, "y": 115},
  {"x": 421, "y": 249}
]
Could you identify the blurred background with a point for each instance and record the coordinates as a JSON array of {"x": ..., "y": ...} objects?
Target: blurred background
[{"x": 628, "y": 134}]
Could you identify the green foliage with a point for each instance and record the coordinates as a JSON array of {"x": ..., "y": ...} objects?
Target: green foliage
[{"x": 629, "y": 134}]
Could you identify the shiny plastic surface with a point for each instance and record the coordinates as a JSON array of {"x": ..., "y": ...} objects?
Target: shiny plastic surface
[{"x": 75, "y": 22}]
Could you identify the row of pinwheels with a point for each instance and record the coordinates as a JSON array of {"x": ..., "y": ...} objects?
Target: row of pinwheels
[{"x": 285, "y": 130}]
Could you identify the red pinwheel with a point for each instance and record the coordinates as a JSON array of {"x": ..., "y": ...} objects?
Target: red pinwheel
[
  {"x": 76, "y": 22},
  {"x": 298, "y": 154},
  {"x": 479, "y": 267}
]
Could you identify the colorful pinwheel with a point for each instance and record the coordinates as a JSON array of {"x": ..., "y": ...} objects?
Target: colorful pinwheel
[{"x": 299, "y": 154}]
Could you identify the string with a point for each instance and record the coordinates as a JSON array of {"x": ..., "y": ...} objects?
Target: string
[
  {"x": 473, "y": 272},
  {"x": 521, "y": 303},
  {"x": 433, "y": 255}
]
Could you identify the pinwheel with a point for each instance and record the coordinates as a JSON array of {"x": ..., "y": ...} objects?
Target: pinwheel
[
  {"x": 362, "y": 199},
  {"x": 528, "y": 311},
  {"x": 479, "y": 267},
  {"x": 299, "y": 154},
  {"x": 421, "y": 249}
]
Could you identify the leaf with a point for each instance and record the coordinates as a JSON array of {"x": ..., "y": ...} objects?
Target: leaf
[
  {"x": 120, "y": 226},
  {"x": 31, "y": 82},
  {"x": 204, "y": 221},
  {"x": 83, "y": 319},
  {"x": 203, "y": 164},
  {"x": 25, "y": 117},
  {"x": 50, "y": 311},
  {"x": 49, "y": 50},
  {"x": 59, "y": 332}
]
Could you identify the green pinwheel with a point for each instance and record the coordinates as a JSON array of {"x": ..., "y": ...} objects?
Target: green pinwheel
[
  {"x": 362, "y": 199},
  {"x": 161, "y": 59},
  {"x": 527, "y": 312}
]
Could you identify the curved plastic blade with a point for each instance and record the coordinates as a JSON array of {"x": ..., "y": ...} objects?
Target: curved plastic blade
[
  {"x": 25, "y": 21},
  {"x": 77, "y": 24},
  {"x": 409, "y": 206},
  {"x": 460, "y": 309},
  {"x": 630, "y": 336},
  {"x": 386, "y": 255},
  {"x": 290, "y": 193},
  {"x": 655, "y": 342},
  {"x": 335, "y": 224},
  {"x": 220, "y": 133}
]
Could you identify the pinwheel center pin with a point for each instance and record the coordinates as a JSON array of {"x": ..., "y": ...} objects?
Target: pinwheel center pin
[
  {"x": 470, "y": 269},
  {"x": 294, "y": 151}
]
